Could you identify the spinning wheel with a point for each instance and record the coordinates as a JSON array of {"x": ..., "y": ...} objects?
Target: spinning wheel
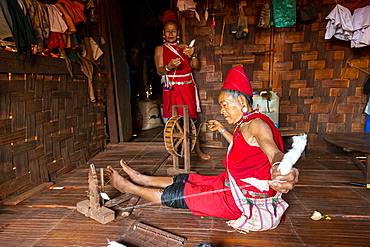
[
  {"x": 175, "y": 134},
  {"x": 180, "y": 138}
]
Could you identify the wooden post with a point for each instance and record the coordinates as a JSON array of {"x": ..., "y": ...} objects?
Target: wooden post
[
  {"x": 102, "y": 179},
  {"x": 186, "y": 140},
  {"x": 183, "y": 30},
  {"x": 222, "y": 33},
  {"x": 175, "y": 158},
  {"x": 271, "y": 63}
]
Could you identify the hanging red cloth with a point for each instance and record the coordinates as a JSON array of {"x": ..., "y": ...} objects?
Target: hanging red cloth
[
  {"x": 55, "y": 40},
  {"x": 75, "y": 10}
]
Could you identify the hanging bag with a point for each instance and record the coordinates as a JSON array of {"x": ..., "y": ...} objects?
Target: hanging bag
[
  {"x": 242, "y": 22},
  {"x": 264, "y": 21},
  {"x": 257, "y": 214},
  {"x": 307, "y": 12}
]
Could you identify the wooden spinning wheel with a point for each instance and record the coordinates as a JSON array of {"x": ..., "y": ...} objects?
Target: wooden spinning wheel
[
  {"x": 180, "y": 138},
  {"x": 175, "y": 134}
]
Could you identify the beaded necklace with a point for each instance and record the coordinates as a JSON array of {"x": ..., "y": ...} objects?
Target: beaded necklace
[
  {"x": 243, "y": 120},
  {"x": 174, "y": 50}
]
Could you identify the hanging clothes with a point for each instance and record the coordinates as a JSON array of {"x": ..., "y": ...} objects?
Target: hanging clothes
[
  {"x": 67, "y": 18},
  {"x": 97, "y": 52},
  {"x": 75, "y": 10},
  {"x": 74, "y": 43},
  {"x": 361, "y": 27},
  {"x": 22, "y": 29},
  {"x": 5, "y": 9},
  {"x": 68, "y": 62},
  {"x": 40, "y": 21},
  {"x": 183, "y": 5},
  {"x": 69, "y": 37},
  {"x": 283, "y": 13},
  {"x": 55, "y": 41},
  {"x": 57, "y": 23},
  {"x": 72, "y": 56},
  {"x": 88, "y": 69},
  {"x": 265, "y": 17},
  {"x": 23, "y": 6},
  {"x": 339, "y": 23},
  {"x": 5, "y": 31}
]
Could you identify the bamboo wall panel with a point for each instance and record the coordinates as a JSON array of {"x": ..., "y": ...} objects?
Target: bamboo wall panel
[
  {"x": 48, "y": 126},
  {"x": 309, "y": 73}
]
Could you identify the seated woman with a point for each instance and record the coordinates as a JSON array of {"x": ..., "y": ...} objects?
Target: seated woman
[{"x": 257, "y": 145}]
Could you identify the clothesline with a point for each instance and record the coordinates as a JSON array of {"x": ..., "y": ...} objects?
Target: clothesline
[
  {"x": 350, "y": 27},
  {"x": 353, "y": 6}
]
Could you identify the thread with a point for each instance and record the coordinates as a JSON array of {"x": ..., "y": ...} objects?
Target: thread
[
  {"x": 188, "y": 196},
  {"x": 120, "y": 169}
]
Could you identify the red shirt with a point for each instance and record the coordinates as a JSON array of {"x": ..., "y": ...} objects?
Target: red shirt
[
  {"x": 211, "y": 195},
  {"x": 183, "y": 86}
]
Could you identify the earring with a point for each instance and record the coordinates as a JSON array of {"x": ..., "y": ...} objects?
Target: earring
[
  {"x": 164, "y": 39},
  {"x": 245, "y": 112},
  {"x": 178, "y": 39}
]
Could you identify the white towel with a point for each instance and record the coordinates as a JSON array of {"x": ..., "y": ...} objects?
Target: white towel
[{"x": 339, "y": 23}]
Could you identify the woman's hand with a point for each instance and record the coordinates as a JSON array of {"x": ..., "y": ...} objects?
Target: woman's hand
[
  {"x": 214, "y": 125},
  {"x": 174, "y": 63},
  {"x": 283, "y": 183},
  {"x": 189, "y": 51}
]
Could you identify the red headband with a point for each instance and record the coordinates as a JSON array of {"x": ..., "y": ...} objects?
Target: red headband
[
  {"x": 169, "y": 16},
  {"x": 237, "y": 80}
]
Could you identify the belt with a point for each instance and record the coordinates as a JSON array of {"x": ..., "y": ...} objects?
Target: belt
[
  {"x": 175, "y": 76},
  {"x": 245, "y": 192},
  {"x": 180, "y": 82}
]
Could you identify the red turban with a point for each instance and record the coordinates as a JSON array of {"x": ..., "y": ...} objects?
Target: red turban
[
  {"x": 237, "y": 80},
  {"x": 169, "y": 16}
]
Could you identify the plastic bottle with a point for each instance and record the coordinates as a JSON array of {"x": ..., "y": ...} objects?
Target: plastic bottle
[
  {"x": 367, "y": 124},
  {"x": 257, "y": 100}
]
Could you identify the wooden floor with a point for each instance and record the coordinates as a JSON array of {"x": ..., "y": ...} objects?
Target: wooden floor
[{"x": 50, "y": 218}]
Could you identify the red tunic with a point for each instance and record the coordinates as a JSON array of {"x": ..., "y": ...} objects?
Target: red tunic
[
  {"x": 243, "y": 161},
  {"x": 183, "y": 85}
]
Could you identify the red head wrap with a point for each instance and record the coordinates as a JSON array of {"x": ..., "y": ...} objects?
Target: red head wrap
[
  {"x": 169, "y": 16},
  {"x": 237, "y": 80}
]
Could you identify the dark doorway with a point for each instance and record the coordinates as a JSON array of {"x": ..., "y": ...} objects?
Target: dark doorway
[{"x": 143, "y": 33}]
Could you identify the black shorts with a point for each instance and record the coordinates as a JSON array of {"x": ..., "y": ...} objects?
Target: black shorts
[{"x": 173, "y": 195}]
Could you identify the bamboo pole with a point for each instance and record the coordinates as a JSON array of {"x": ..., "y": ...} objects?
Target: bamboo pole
[
  {"x": 271, "y": 62},
  {"x": 222, "y": 33}
]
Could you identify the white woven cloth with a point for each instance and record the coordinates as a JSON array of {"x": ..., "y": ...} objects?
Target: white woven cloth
[{"x": 290, "y": 158}]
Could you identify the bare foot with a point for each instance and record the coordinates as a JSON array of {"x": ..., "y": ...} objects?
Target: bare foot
[
  {"x": 202, "y": 155},
  {"x": 117, "y": 181},
  {"x": 135, "y": 176},
  {"x": 199, "y": 152}
]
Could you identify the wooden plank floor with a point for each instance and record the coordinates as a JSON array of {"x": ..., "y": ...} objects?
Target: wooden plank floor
[{"x": 324, "y": 186}]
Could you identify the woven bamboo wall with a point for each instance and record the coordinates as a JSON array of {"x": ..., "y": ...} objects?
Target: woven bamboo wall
[
  {"x": 318, "y": 92},
  {"x": 48, "y": 126}
]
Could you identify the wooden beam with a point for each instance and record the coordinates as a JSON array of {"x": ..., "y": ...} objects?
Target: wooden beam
[
  {"x": 38, "y": 65},
  {"x": 15, "y": 200},
  {"x": 118, "y": 70}
]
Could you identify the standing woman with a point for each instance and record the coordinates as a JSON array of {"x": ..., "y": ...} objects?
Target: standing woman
[{"x": 174, "y": 62}]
